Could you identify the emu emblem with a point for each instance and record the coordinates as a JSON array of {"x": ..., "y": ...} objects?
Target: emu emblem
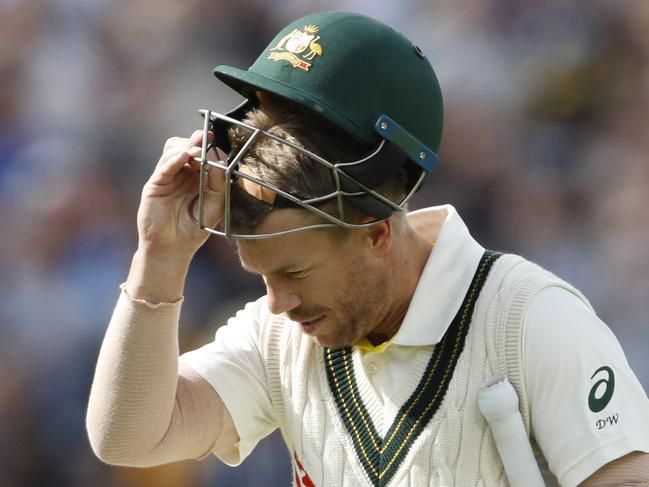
[{"x": 292, "y": 47}]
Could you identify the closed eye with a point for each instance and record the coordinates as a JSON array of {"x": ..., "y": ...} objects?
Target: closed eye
[{"x": 295, "y": 274}]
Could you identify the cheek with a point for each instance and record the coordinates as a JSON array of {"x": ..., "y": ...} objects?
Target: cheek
[
  {"x": 336, "y": 285},
  {"x": 349, "y": 297},
  {"x": 313, "y": 292},
  {"x": 365, "y": 292},
  {"x": 327, "y": 285}
]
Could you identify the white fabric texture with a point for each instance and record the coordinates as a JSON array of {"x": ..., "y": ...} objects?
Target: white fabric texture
[
  {"x": 269, "y": 374},
  {"x": 565, "y": 343}
]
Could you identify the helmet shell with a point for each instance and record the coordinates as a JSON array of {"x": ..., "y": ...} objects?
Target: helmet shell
[{"x": 352, "y": 70}]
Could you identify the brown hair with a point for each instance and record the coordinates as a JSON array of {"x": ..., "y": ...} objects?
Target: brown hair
[{"x": 290, "y": 169}]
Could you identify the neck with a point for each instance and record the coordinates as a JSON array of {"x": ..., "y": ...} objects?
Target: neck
[{"x": 406, "y": 266}]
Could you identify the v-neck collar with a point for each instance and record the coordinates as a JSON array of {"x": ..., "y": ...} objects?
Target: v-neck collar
[{"x": 382, "y": 456}]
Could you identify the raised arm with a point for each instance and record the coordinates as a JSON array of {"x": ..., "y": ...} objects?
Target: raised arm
[{"x": 143, "y": 410}]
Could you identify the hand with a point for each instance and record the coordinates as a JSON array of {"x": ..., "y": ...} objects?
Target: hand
[{"x": 164, "y": 225}]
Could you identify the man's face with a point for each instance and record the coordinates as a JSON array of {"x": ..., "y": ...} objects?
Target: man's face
[{"x": 332, "y": 287}]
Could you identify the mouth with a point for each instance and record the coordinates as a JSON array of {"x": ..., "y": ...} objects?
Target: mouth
[{"x": 310, "y": 326}]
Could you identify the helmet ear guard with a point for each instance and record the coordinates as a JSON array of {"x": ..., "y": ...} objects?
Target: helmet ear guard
[
  {"x": 397, "y": 151},
  {"x": 378, "y": 168}
]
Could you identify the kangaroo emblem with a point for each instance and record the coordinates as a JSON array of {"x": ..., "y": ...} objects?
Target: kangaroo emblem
[{"x": 280, "y": 44}]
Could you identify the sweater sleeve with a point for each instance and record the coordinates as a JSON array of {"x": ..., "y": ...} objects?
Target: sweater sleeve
[
  {"x": 143, "y": 410},
  {"x": 235, "y": 365}
]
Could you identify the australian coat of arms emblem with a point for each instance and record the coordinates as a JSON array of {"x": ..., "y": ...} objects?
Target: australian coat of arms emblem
[{"x": 292, "y": 47}]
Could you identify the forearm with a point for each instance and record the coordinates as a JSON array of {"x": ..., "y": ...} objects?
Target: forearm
[
  {"x": 157, "y": 277},
  {"x": 144, "y": 408},
  {"x": 133, "y": 392},
  {"x": 142, "y": 411}
]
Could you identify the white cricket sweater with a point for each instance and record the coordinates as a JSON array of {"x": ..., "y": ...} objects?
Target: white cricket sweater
[{"x": 330, "y": 415}]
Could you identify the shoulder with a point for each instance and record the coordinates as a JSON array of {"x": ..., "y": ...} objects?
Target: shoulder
[
  {"x": 517, "y": 282},
  {"x": 512, "y": 285},
  {"x": 587, "y": 406},
  {"x": 559, "y": 326},
  {"x": 514, "y": 272}
]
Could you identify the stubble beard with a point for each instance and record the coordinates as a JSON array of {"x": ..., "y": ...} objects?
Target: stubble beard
[{"x": 363, "y": 301}]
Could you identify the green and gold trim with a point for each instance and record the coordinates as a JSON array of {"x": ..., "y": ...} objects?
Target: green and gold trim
[{"x": 381, "y": 457}]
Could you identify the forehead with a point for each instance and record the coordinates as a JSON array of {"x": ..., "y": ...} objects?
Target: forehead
[
  {"x": 284, "y": 253},
  {"x": 273, "y": 254}
]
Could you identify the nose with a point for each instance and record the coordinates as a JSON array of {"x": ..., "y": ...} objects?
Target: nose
[{"x": 280, "y": 299}]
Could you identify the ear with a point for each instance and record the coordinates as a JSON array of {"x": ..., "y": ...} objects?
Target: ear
[{"x": 379, "y": 237}]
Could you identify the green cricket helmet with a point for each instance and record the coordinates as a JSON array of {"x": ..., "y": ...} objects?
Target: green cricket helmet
[{"x": 362, "y": 76}]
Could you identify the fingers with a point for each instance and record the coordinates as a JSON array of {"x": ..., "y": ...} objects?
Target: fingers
[
  {"x": 174, "y": 144},
  {"x": 177, "y": 152},
  {"x": 195, "y": 139},
  {"x": 169, "y": 167},
  {"x": 215, "y": 178},
  {"x": 176, "y": 170},
  {"x": 195, "y": 153}
]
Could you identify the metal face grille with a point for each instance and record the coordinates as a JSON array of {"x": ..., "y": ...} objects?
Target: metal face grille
[{"x": 233, "y": 172}]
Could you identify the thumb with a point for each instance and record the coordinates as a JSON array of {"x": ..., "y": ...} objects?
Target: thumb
[
  {"x": 216, "y": 176},
  {"x": 221, "y": 154},
  {"x": 214, "y": 192}
]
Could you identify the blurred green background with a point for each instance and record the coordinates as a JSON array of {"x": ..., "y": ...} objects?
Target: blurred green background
[{"x": 545, "y": 153}]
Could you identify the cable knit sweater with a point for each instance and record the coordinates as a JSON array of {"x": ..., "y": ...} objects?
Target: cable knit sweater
[{"x": 330, "y": 415}]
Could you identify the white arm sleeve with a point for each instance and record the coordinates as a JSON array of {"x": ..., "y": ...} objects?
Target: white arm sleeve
[
  {"x": 587, "y": 407},
  {"x": 234, "y": 366},
  {"x": 143, "y": 409}
]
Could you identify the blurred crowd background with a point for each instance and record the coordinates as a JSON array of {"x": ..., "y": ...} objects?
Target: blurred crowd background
[{"x": 545, "y": 153}]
